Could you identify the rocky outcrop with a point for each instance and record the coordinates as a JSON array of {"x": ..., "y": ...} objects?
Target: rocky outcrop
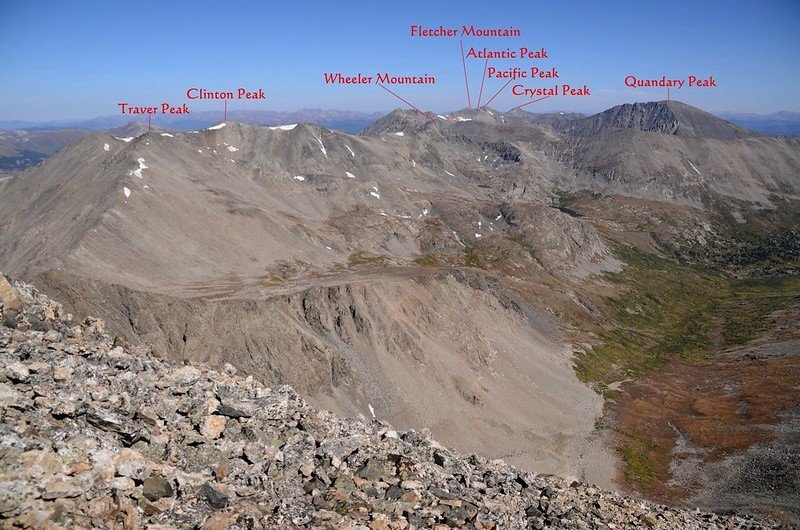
[
  {"x": 666, "y": 117},
  {"x": 94, "y": 434}
]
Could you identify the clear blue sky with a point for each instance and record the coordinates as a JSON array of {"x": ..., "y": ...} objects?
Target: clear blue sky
[{"x": 72, "y": 59}]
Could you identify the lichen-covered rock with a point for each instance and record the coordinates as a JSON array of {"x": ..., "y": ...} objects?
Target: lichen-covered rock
[{"x": 95, "y": 435}]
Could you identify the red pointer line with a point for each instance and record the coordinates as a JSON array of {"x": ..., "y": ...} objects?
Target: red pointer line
[
  {"x": 482, "y": 80},
  {"x": 528, "y": 103},
  {"x": 464, "y": 62},
  {"x": 406, "y": 102},
  {"x": 498, "y": 93}
]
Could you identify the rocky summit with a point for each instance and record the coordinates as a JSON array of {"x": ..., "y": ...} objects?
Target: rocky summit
[{"x": 97, "y": 434}]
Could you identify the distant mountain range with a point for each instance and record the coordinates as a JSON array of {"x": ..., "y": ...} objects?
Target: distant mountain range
[
  {"x": 781, "y": 123},
  {"x": 341, "y": 120},
  {"x": 24, "y": 144}
]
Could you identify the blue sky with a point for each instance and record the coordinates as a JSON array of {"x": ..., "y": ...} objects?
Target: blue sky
[{"x": 68, "y": 59}]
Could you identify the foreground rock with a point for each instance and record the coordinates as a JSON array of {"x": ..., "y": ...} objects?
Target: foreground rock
[{"x": 97, "y": 436}]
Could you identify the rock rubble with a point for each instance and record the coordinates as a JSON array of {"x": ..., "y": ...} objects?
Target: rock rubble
[{"x": 95, "y": 434}]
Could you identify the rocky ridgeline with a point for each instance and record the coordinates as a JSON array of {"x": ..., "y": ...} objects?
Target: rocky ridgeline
[{"x": 94, "y": 435}]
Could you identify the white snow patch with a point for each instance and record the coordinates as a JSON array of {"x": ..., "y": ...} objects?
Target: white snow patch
[
  {"x": 477, "y": 234},
  {"x": 232, "y": 149},
  {"x": 383, "y": 213},
  {"x": 413, "y": 164},
  {"x": 498, "y": 217},
  {"x": 351, "y": 151},
  {"x": 401, "y": 133},
  {"x": 168, "y": 135},
  {"x": 322, "y": 147},
  {"x": 459, "y": 118},
  {"x": 371, "y": 410},
  {"x": 215, "y": 127},
  {"x": 128, "y": 139},
  {"x": 375, "y": 194},
  {"x": 126, "y": 191},
  {"x": 106, "y": 147},
  {"x": 442, "y": 117},
  {"x": 299, "y": 177},
  {"x": 350, "y": 175},
  {"x": 425, "y": 212},
  {"x": 138, "y": 171},
  {"x": 199, "y": 150},
  {"x": 284, "y": 127},
  {"x": 449, "y": 173},
  {"x": 695, "y": 169},
  {"x": 146, "y": 187}
]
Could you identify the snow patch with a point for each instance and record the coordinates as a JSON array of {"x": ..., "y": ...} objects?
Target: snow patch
[
  {"x": 401, "y": 133},
  {"x": 126, "y": 191},
  {"x": 299, "y": 177},
  {"x": 425, "y": 212},
  {"x": 695, "y": 169},
  {"x": 128, "y": 139},
  {"x": 459, "y": 118},
  {"x": 215, "y": 127},
  {"x": 442, "y": 117},
  {"x": 168, "y": 135},
  {"x": 284, "y": 127},
  {"x": 477, "y": 234},
  {"x": 232, "y": 149},
  {"x": 138, "y": 171},
  {"x": 449, "y": 173},
  {"x": 375, "y": 194},
  {"x": 106, "y": 147},
  {"x": 350, "y": 175},
  {"x": 351, "y": 151},
  {"x": 322, "y": 147}
]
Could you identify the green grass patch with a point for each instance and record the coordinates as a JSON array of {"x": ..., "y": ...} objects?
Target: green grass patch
[
  {"x": 471, "y": 257},
  {"x": 362, "y": 258},
  {"x": 638, "y": 469},
  {"x": 428, "y": 260},
  {"x": 672, "y": 309}
]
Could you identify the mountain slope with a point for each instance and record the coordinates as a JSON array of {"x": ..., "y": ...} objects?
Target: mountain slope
[{"x": 118, "y": 438}]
